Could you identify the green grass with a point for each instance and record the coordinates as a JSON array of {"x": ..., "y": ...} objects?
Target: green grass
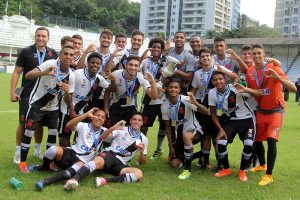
[{"x": 160, "y": 181}]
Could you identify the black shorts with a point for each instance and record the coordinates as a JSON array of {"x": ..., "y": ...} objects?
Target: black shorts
[
  {"x": 23, "y": 109},
  {"x": 243, "y": 127},
  {"x": 94, "y": 103},
  {"x": 62, "y": 122},
  {"x": 149, "y": 114},
  {"x": 118, "y": 113},
  {"x": 36, "y": 117},
  {"x": 208, "y": 126},
  {"x": 69, "y": 158},
  {"x": 112, "y": 164},
  {"x": 179, "y": 145}
]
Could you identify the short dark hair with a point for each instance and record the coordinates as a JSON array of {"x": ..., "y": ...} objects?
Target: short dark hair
[
  {"x": 204, "y": 50},
  {"x": 216, "y": 73},
  {"x": 120, "y": 35},
  {"x": 258, "y": 46},
  {"x": 94, "y": 55},
  {"x": 133, "y": 58},
  {"x": 77, "y": 36},
  {"x": 42, "y": 29},
  {"x": 195, "y": 35},
  {"x": 107, "y": 32},
  {"x": 136, "y": 113},
  {"x": 219, "y": 39},
  {"x": 157, "y": 40},
  {"x": 66, "y": 39},
  {"x": 176, "y": 80},
  {"x": 137, "y": 32},
  {"x": 180, "y": 32},
  {"x": 66, "y": 47}
]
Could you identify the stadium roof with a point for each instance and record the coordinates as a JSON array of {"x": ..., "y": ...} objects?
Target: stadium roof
[{"x": 264, "y": 41}]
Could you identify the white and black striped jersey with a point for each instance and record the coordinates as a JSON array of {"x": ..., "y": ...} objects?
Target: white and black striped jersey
[
  {"x": 126, "y": 142},
  {"x": 86, "y": 143},
  {"x": 84, "y": 89},
  {"x": 121, "y": 59},
  {"x": 182, "y": 114},
  {"x": 44, "y": 95},
  {"x": 202, "y": 83},
  {"x": 155, "y": 68},
  {"x": 234, "y": 104},
  {"x": 120, "y": 96}
]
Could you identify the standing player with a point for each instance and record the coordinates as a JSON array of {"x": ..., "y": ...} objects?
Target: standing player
[
  {"x": 151, "y": 108},
  {"x": 228, "y": 58},
  {"x": 53, "y": 77},
  {"x": 137, "y": 40},
  {"x": 29, "y": 58},
  {"x": 269, "y": 79},
  {"x": 86, "y": 82},
  {"x": 84, "y": 149},
  {"x": 124, "y": 95},
  {"x": 126, "y": 141},
  {"x": 239, "y": 118},
  {"x": 196, "y": 45},
  {"x": 77, "y": 44},
  {"x": 179, "y": 111},
  {"x": 201, "y": 85},
  {"x": 186, "y": 67}
]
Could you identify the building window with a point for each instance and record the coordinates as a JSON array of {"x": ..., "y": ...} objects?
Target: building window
[
  {"x": 295, "y": 10},
  {"x": 296, "y": 1},
  {"x": 173, "y": 20},
  {"x": 151, "y": 8},
  {"x": 173, "y": 13},
  {"x": 295, "y": 19},
  {"x": 294, "y": 28},
  {"x": 174, "y": 6},
  {"x": 286, "y": 12},
  {"x": 286, "y": 29},
  {"x": 286, "y": 20}
]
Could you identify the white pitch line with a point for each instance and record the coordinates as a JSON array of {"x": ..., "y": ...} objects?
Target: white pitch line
[{"x": 8, "y": 111}]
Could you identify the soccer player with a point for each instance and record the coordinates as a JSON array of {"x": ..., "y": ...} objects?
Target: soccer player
[
  {"x": 237, "y": 118},
  {"x": 124, "y": 95},
  {"x": 84, "y": 149},
  {"x": 66, "y": 41},
  {"x": 77, "y": 44},
  {"x": 29, "y": 58},
  {"x": 201, "y": 85},
  {"x": 178, "y": 110},
  {"x": 196, "y": 45},
  {"x": 53, "y": 77},
  {"x": 86, "y": 82},
  {"x": 126, "y": 141},
  {"x": 269, "y": 79},
  {"x": 186, "y": 67},
  {"x": 151, "y": 108},
  {"x": 119, "y": 62},
  {"x": 228, "y": 58}
]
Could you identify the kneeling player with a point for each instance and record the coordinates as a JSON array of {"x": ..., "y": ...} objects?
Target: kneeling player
[
  {"x": 126, "y": 141},
  {"x": 239, "y": 119},
  {"x": 180, "y": 109},
  {"x": 83, "y": 150}
]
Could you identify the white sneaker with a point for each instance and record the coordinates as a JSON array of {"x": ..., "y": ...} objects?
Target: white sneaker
[
  {"x": 71, "y": 184},
  {"x": 17, "y": 158},
  {"x": 38, "y": 155}
]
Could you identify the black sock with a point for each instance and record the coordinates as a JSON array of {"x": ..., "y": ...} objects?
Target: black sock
[
  {"x": 63, "y": 175},
  {"x": 206, "y": 154},
  {"x": 116, "y": 179},
  {"x": 46, "y": 163},
  {"x": 260, "y": 152},
  {"x": 272, "y": 152},
  {"x": 197, "y": 155},
  {"x": 83, "y": 172}
]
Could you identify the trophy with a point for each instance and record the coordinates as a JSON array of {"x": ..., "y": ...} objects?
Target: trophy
[{"x": 169, "y": 66}]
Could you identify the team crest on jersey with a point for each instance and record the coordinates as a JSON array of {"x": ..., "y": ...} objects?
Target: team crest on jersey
[
  {"x": 265, "y": 91},
  {"x": 231, "y": 99},
  {"x": 29, "y": 123},
  {"x": 227, "y": 66},
  {"x": 35, "y": 55},
  {"x": 181, "y": 110},
  {"x": 49, "y": 53}
]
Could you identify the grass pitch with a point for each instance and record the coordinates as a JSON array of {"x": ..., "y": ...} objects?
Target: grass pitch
[{"x": 160, "y": 181}]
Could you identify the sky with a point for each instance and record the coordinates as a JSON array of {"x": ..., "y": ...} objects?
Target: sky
[{"x": 259, "y": 10}]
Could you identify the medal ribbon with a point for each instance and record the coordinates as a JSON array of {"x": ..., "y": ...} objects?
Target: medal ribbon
[
  {"x": 262, "y": 76},
  {"x": 93, "y": 135},
  {"x": 153, "y": 67},
  {"x": 173, "y": 113},
  {"x": 40, "y": 59},
  {"x": 130, "y": 89},
  {"x": 104, "y": 61},
  {"x": 221, "y": 101}
]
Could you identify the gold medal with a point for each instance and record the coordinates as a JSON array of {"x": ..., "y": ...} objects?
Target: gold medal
[
  {"x": 128, "y": 100},
  {"x": 173, "y": 123},
  {"x": 219, "y": 112}
]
